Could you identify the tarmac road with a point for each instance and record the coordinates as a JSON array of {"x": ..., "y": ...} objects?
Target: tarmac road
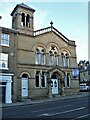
[{"x": 71, "y": 109}]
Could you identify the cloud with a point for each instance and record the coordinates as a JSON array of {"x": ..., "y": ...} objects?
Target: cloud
[
  {"x": 39, "y": 19},
  {"x": 6, "y": 21},
  {"x": 82, "y": 51},
  {"x": 5, "y": 11},
  {"x": 44, "y": 0}
]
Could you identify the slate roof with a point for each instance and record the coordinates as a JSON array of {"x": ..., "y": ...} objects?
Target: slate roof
[{"x": 23, "y": 6}]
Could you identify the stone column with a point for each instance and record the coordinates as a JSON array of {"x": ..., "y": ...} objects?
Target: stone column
[
  {"x": 50, "y": 89},
  {"x": 59, "y": 87},
  {"x": 15, "y": 84},
  {"x": 64, "y": 80},
  {"x": 8, "y": 92}
]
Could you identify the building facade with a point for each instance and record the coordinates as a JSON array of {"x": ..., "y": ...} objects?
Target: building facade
[
  {"x": 84, "y": 74},
  {"x": 84, "y": 71},
  {"x": 7, "y": 38},
  {"x": 37, "y": 63}
]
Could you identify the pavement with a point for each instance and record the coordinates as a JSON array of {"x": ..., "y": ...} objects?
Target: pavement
[{"x": 30, "y": 102}]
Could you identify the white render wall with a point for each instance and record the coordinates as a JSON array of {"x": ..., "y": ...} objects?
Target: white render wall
[{"x": 8, "y": 79}]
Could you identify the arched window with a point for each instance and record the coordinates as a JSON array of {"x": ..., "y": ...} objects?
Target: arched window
[
  {"x": 50, "y": 58},
  {"x": 55, "y": 58},
  {"x": 23, "y": 19},
  {"x": 65, "y": 59},
  {"x": 28, "y": 20},
  {"x": 43, "y": 57},
  {"x": 37, "y": 56},
  {"x": 40, "y": 57}
]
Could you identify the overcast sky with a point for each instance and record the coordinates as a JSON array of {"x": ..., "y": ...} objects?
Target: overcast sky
[{"x": 70, "y": 18}]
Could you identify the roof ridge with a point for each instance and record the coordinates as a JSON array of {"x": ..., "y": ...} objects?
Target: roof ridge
[
  {"x": 53, "y": 29},
  {"x": 24, "y": 5}
]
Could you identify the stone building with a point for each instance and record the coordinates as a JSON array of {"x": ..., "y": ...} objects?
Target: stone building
[
  {"x": 85, "y": 75},
  {"x": 84, "y": 71},
  {"x": 35, "y": 63},
  {"x": 7, "y": 39}
]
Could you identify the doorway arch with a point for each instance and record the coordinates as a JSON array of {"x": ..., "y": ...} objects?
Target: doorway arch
[
  {"x": 54, "y": 84},
  {"x": 24, "y": 85}
]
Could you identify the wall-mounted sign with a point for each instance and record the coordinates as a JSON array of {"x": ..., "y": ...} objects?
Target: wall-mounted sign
[{"x": 75, "y": 72}]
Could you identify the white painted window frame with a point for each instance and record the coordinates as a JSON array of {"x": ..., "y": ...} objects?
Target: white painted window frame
[
  {"x": 4, "y": 58},
  {"x": 4, "y": 38}
]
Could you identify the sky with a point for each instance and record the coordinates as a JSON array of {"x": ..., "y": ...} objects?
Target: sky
[{"x": 69, "y": 17}]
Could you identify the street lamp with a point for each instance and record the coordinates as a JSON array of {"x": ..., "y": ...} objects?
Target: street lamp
[{"x": 0, "y": 17}]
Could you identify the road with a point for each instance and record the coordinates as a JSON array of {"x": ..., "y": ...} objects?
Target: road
[{"x": 71, "y": 109}]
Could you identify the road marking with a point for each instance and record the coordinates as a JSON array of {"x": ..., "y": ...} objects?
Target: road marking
[
  {"x": 45, "y": 114},
  {"x": 62, "y": 112},
  {"x": 51, "y": 108},
  {"x": 81, "y": 117}
]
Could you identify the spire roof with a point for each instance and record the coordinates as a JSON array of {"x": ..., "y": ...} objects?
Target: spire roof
[{"x": 23, "y": 6}]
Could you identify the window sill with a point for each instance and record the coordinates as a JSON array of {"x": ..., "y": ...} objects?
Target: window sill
[
  {"x": 4, "y": 68},
  {"x": 5, "y": 45},
  {"x": 41, "y": 87}
]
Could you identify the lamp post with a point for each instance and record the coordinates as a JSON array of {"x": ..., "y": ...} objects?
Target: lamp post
[{"x": 0, "y": 17}]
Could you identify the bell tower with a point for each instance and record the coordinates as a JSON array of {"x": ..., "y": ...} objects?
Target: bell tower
[{"x": 23, "y": 19}]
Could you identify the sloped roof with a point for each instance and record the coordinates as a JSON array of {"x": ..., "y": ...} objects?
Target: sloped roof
[
  {"x": 23, "y": 6},
  {"x": 9, "y": 30},
  {"x": 54, "y": 30}
]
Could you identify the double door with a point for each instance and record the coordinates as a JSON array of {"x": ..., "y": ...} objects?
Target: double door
[{"x": 54, "y": 86}]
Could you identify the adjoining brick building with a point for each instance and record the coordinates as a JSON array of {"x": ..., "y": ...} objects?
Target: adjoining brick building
[
  {"x": 35, "y": 63},
  {"x": 84, "y": 72}
]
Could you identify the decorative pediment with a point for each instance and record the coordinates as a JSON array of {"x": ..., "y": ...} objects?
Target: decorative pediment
[
  {"x": 56, "y": 32},
  {"x": 55, "y": 69}
]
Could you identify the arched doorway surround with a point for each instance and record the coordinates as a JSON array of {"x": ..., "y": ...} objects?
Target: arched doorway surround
[{"x": 56, "y": 79}]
